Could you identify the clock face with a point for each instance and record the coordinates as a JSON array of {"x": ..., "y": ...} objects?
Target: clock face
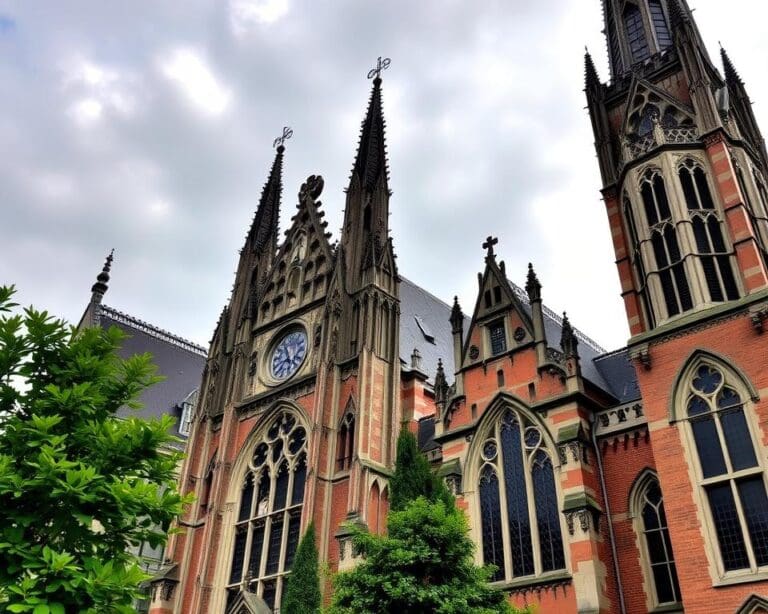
[{"x": 288, "y": 354}]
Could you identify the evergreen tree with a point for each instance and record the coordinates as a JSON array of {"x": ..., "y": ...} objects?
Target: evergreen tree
[
  {"x": 424, "y": 565},
  {"x": 302, "y": 594},
  {"x": 413, "y": 476},
  {"x": 78, "y": 485}
]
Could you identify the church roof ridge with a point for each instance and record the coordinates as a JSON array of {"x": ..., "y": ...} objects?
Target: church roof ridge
[{"x": 152, "y": 330}]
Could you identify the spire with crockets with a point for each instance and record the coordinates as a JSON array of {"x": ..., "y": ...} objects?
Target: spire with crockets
[{"x": 365, "y": 234}]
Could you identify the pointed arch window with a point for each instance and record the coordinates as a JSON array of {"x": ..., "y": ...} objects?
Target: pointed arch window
[
  {"x": 729, "y": 469},
  {"x": 638, "y": 42},
  {"x": 670, "y": 267},
  {"x": 269, "y": 514},
  {"x": 520, "y": 518},
  {"x": 346, "y": 442},
  {"x": 707, "y": 230},
  {"x": 655, "y": 545},
  {"x": 659, "y": 22}
]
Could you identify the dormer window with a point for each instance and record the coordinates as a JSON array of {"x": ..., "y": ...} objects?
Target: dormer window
[{"x": 498, "y": 338}]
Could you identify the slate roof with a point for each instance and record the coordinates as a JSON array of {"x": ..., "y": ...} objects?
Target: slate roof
[
  {"x": 179, "y": 360},
  {"x": 424, "y": 325},
  {"x": 619, "y": 373}
]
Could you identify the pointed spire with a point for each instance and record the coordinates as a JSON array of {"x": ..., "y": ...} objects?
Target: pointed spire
[
  {"x": 264, "y": 227},
  {"x": 532, "y": 285},
  {"x": 99, "y": 289},
  {"x": 441, "y": 385},
  {"x": 371, "y": 161},
  {"x": 731, "y": 76},
  {"x": 591, "y": 78},
  {"x": 568, "y": 341},
  {"x": 457, "y": 317}
]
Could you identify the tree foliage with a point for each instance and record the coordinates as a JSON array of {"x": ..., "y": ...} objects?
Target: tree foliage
[
  {"x": 77, "y": 484},
  {"x": 413, "y": 476},
  {"x": 303, "y": 592},
  {"x": 424, "y": 565}
]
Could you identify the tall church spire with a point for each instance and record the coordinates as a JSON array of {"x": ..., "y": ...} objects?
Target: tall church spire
[
  {"x": 365, "y": 233},
  {"x": 371, "y": 161},
  {"x": 264, "y": 228}
]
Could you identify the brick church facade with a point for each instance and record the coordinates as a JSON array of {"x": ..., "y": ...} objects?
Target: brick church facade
[{"x": 625, "y": 482}]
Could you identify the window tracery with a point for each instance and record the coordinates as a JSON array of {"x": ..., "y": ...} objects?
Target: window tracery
[
  {"x": 731, "y": 477},
  {"x": 268, "y": 522},
  {"x": 520, "y": 518}
]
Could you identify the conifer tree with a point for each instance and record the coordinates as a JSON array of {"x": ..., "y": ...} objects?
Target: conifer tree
[
  {"x": 413, "y": 476},
  {"x": 303, "y": 592}
]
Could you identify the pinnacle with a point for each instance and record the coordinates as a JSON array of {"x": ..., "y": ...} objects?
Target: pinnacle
[
  {"x": 731, "y": 76},
  {"x": 590, "y": 73},
  {"x": 371, "y": 161},
  {"x": 265, "y": 221},
  {"x": 100, "y": 287}
]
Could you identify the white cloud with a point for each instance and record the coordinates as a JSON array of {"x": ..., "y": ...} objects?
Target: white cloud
[
  {"x": 97, "y": 89},
  {"x": 245, "y": 15},
  {"x": 189, "y": 71}
]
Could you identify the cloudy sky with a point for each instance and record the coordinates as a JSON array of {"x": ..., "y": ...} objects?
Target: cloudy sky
[{"x": 147, "y": 126}]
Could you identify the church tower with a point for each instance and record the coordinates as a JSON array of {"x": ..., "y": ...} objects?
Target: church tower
[{"x": 683, "y": 166}]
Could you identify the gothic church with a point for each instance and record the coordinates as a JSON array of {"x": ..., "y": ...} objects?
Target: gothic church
[{"x": 620, "y": 482}]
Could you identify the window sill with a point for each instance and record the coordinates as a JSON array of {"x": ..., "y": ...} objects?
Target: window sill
[
  {"x": 741, "y": 578},
  {"x": 551, "y": 579},
  {"x": 667, "y": 608}
]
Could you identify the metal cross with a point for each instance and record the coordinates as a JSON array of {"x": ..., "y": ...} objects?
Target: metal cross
[
  {"x": 489, "y": 243},
  {"x": 381, "y": 64},
  {"x": 287, "y": 134}
]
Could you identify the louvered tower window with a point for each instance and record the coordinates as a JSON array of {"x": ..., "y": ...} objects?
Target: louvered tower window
[
  {"x": 636, "y": 38},
  {"x": 519, "y": 511},
  {"x": 269, "y": 515},
  {"x": 729, "y": 468},
  {"x": 670, "y": 267},
  {"x": 346, "y": 442},
  {"x": 713, "y": 253},
  {"x": 660, "y": 28}
]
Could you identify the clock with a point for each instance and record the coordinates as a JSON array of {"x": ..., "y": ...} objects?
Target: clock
[{"x": 288, "y": 354}]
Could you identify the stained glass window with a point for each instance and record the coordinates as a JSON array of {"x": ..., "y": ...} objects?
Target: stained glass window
[
  {"x": 658, "y": 546},
  {"x": 498, "y": 338},
  {"x": 732, "y": 479},
  {"x": 269, "y": 515},
  {"x": 518, "y": 501}
]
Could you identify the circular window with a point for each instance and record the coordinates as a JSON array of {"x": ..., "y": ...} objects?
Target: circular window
[
  {"x": 288, "y": 354},
  {"x": 489, "y": 450}
]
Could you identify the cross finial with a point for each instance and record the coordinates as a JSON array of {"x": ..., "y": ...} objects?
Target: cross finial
[
  {"x": 489, "y": 243},
  {"x": 287, "y": 134},
  {"x": 381, "y": 64}
]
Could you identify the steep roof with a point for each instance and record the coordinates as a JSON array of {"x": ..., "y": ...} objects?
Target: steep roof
[
  {"x": 180, "y": 361},
  {"x": 425, "y": 326}
]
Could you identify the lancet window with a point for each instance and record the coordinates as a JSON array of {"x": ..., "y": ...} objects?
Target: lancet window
[{"x": 519, "y": 512}]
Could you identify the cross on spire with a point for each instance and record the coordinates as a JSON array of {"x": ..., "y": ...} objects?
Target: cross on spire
[
  {"x": 287, "y": 134},
  {"x": 381, "y": 64},
  {"x": 489, "y": 243}
]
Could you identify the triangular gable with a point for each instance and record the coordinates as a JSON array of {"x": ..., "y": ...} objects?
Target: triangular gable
[
  {"x": 670, "y": 110},
  {"x": 496, "y": 300},
  {"x": 304, "y": 262},
  {"x": 755, "y": 604},
  {"x": 248, "y": 603}
]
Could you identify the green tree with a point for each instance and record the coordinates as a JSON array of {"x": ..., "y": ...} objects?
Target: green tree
[
  {"x": 77, "y": 484},
  {"x": 423, "y": 566},
  {"x": 413, "y": 476},
  {"x": 302, "y": 595}
]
